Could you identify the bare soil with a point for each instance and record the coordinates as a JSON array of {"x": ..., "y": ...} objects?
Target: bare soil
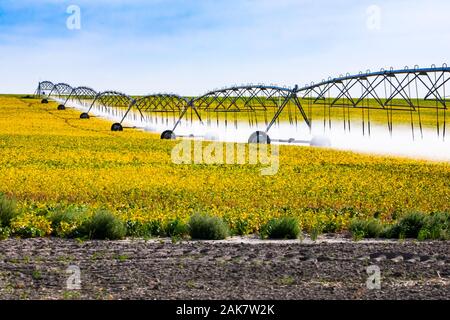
[{"x": 160, "y": 269}]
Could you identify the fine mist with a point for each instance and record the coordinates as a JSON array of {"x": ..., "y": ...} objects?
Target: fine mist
[{"x": 403, "y": 141}]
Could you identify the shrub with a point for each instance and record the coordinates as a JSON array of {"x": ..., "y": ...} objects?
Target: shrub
[
  {"x": 358, "y": 229},
  {"x": 8, "y": 211},
  {"x": 374, "y": 228},
  {"x": 154, "y": 227},
  {"x": 30, "y": 226},
  {"x": 4, "y": 233},
  {"x": 103, "y": 225},
  {"x": 144, "y": 230},
  {"x": 241, "y": 227},
  {"x": 66, "y": 221},
  {"x": 135, "y": 229},
  {"x": 315, "y": 232},
  {"x": 206, "y": 227},
  {"x": 391, "y": 231},
  {"x": 421, "y": 226},
  {"x": 436, "y": 227},
  {"x": 365, "y": 228},
  {"x": 176, "y": 229},
  {"x": 408, "y": 226},
  {"x": 281, "y": 228}
]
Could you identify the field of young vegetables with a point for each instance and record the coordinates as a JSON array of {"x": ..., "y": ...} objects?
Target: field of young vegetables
[{"x": 53, "y": 163}]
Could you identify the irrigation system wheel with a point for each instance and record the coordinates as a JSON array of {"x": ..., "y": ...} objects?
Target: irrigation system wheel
[
  {"x": 116, "y": 127},
  {"x": 168, "y": 135},
  {"x": 44, "y": 101},
  {"x": 259, "y": 137},
  {"x": 61, "y": 107},
  {"x": 84, "y": 115}
]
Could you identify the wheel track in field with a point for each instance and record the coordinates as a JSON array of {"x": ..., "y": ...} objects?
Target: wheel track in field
[{"x": 68, "y": 120}]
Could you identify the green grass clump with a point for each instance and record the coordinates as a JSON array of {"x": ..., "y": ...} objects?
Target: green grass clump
[
  {"x": 436, "y": 227},
  {"x": 409, "y": 226},
  {"x": 361, "y": 229},
  {"x": 146, "y": 230},
  {"x": 65, "y": 221},
  {"x": 8, "y": 211},
  {"x": 206, "y": 227},
  {"x": 414, "y": 225},
  {"x": 176, "y": 229},
  {"x": 103, "y": 225},
  {"x": 281, "y": 228}
]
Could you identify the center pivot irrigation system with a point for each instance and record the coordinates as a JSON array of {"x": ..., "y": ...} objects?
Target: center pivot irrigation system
[{"x": 414, "y": 93}]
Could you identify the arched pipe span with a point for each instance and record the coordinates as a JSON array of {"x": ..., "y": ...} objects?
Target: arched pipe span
[
  {"x": 225, "y": 100},
  {"x": 112, "y": 100},
  {"x": 44, "y": 86},
  {"x": 371, "y": 81},
  {"x": 78, "y": 93},
  {"x": 61, "y": 89},
  {"x": 160, "y": 102}
]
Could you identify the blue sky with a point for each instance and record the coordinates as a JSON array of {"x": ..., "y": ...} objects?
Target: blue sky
[{"x": 189, "y": 47}]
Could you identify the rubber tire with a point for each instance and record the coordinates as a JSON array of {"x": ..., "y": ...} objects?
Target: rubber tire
[
  {"x": 44, "y": 101},
  {"x": 116, "y": 127},
  {"x": 84, "y": 115},
  {"x": 168, "y": 135},
  {"x": 259, "y": 137},
  {"x": 61, "y": 107}
]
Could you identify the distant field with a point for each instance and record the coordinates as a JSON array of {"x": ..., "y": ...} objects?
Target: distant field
[
  {"x": 50, "y": 158},
  {"x": 428, "y": 115}
]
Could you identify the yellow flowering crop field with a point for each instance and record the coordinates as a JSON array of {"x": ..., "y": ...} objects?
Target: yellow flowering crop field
[{"x": 52, "y": 158}]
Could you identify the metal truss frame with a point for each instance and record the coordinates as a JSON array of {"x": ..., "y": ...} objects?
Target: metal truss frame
[
  {"x": 81, "y": 93},
  {"x": 400, "y": 83},
  {"x": 246, "y": 98},
  {"x": 60, "y": 90},
  {"x": 404, "y": 90},
  {"x": 110, "y": 101},
  {"x": 44, "y": 86}
]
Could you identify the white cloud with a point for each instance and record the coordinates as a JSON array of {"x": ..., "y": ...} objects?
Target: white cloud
[{"x": 288, "y": 42}]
